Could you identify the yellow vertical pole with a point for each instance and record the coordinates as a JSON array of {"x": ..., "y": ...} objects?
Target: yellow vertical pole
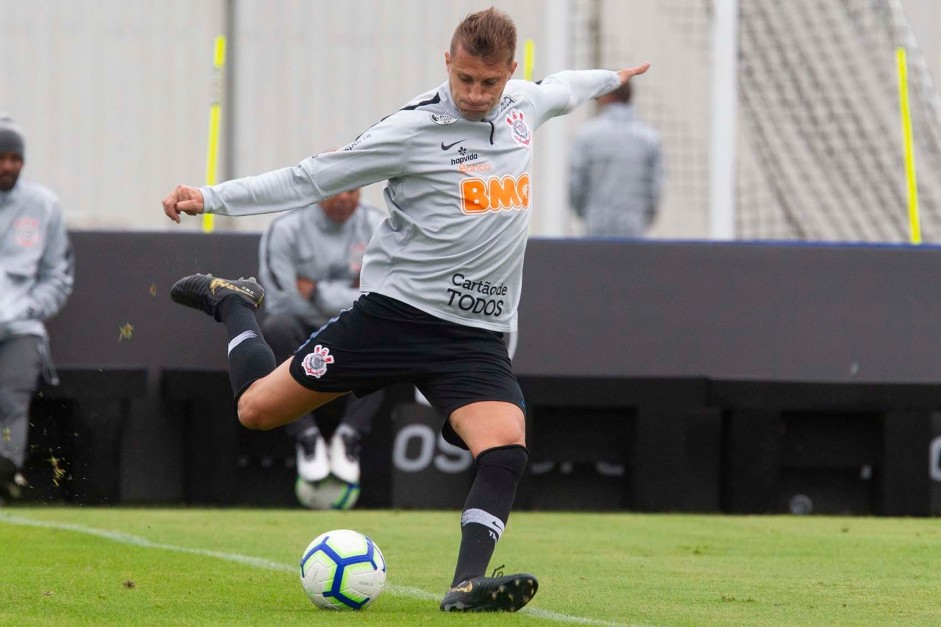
[
  {"x": 215, "y": 116},
  {"x": 913, "y": 219},
  {"x": 529, "y": 59}
]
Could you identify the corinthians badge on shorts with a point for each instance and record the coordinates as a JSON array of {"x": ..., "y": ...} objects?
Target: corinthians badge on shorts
[{"x": 316, "y": 362}]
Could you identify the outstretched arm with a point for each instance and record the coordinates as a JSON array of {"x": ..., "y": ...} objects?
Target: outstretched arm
[
  {"x": 377, "y": 155},
  {"x": 563, "y": 91}
]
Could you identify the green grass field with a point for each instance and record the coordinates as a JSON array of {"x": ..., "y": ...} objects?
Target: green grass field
[{"x": 120, "y": 566}]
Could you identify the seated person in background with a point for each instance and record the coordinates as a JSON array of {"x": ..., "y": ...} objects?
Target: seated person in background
[
  {"x": 36, "y": 274},
  {"x": 309, "y": 261}
]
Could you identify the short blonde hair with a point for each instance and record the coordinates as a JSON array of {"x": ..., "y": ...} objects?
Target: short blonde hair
[{"x": 489, "y": 34}]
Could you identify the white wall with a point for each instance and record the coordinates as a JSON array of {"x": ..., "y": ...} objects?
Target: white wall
[
  {"x": 114, "y": 94},
  {"x": 113, "y": 99}
]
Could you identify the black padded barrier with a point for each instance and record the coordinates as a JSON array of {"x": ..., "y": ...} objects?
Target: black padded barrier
[{"x": 660, "y": 376}]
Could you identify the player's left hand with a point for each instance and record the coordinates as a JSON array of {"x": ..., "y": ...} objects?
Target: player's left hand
[{"x": 627, "y": 73}]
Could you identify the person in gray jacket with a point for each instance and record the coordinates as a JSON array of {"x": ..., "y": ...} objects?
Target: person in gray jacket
[
  {"x": 441, "y": 276},
  {"x": 36, "y": 275},
  {"x": 310, "y": 260},
  {"x": 616, "y": 170}
]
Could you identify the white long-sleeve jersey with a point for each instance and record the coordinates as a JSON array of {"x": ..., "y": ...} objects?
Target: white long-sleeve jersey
[{"x": 458, "y": 195}]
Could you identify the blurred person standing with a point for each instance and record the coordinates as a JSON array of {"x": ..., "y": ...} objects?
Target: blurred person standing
[
  {"x": 36, "y": 276},
  {"x": 616, "y": 169},
  {"x": 310, "y": 261}
]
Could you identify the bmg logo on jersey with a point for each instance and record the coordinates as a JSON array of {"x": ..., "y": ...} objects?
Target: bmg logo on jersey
[{"x": 495, "y": 194}]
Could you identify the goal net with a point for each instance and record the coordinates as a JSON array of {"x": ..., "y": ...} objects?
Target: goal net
[{"x": 820, "y": 147}]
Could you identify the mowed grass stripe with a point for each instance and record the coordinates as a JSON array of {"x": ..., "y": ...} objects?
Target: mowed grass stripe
[
  {"x": 594, "y": 568},
  {"x": 256, "y": 562}
]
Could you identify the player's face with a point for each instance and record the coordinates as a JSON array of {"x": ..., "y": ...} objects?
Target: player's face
[
  {"x": 339, "y": 208},
  {"x": 10, "y": 166},
  {"x": 476, "y": 86}
]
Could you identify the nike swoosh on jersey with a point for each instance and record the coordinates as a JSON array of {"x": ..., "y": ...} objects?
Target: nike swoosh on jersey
[{"x": 450, "y": 146}]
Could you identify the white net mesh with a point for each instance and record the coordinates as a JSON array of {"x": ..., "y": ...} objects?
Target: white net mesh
[
  {"x": 820, "y": 151},
  {"x": 819, "y": 97}
]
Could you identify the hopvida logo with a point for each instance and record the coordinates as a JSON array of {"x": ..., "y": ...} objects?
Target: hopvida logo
[{"x": 465, "y": 156}]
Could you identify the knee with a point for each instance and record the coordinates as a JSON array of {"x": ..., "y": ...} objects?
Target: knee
[
  {"x": 512, "y": 459},
  {"x": 250, "y": 414}
]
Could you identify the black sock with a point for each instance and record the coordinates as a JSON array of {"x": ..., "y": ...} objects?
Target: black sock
[
  {"x": 487, "y": 508},
  {"x": 250, "y": 358},
  {"x": 7, "y": 470}
]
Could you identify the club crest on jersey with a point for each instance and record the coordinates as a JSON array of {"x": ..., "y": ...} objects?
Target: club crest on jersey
[
  {"x": 521, "y": 134},
  {"x": 443, "y": 118},
  {"x": 316, "y": 362},
  {"x": 26, "y": 231}
]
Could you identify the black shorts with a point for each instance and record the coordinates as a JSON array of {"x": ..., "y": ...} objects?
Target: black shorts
[{"x": 381, "y": 341}]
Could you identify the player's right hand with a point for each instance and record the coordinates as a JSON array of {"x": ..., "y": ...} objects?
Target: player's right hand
[{"x": 183, "y": 199}]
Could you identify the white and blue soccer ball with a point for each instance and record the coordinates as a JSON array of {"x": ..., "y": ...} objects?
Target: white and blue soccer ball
[
  {"x": 343, "y": 570},
  {"x": 328, "y": 493}
]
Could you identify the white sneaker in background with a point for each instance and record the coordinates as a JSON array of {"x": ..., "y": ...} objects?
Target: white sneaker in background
[
  {"x": 313, "y": 463},
  {"x": 345, "y": 446}
]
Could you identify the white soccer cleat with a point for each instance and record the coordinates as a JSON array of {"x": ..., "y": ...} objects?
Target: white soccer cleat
[
  {"x": 345, "y": 446},
  {"x": 312, "y": 460}
]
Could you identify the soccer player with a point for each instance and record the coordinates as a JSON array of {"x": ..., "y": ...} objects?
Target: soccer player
[{"x": 441, "y": 276}]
